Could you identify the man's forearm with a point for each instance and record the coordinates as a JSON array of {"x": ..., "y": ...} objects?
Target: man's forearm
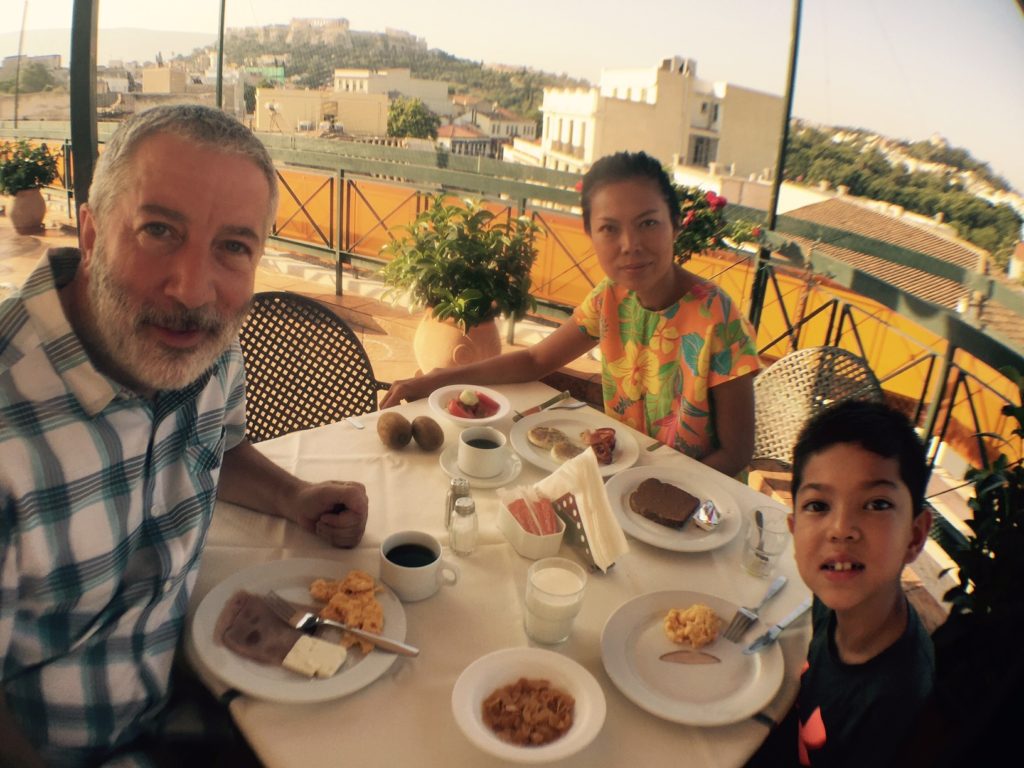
[{"x": 250, "y": 479}]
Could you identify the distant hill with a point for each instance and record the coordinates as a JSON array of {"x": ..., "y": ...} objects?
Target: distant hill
[{"x": 140, "y": 45}]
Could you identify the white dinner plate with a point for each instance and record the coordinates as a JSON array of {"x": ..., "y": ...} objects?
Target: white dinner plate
[
  {"x": 439, "y": 398},
  {"x": 689, "y": 538},
  {"x": 500, "y": 668},
  {"x": 572, "y": 423},
  {"x": 449, "y": 463},
  {"x": 633, "y": 641},
  {"x": 290, "y": 579}
]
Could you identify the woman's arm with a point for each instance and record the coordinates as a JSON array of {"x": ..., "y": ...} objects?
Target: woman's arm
[
  {"x": 558, "y": 348},
  {"x": 732, "y": 406}
]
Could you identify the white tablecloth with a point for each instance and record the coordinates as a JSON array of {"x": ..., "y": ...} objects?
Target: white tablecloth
[{"x": 405, "y": 717}]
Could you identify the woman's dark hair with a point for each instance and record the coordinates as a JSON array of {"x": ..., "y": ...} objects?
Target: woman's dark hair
[
  {"x": 875, "y": 427},
  {"x": 623, "y": 166}
]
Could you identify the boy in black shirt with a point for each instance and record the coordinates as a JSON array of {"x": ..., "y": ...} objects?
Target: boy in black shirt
[{"x": 859, "y": 476}]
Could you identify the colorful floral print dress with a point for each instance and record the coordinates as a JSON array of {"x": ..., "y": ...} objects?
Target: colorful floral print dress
[{"x": 657, "y": 367}]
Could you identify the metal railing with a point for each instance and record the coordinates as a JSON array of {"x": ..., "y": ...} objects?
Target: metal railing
[{"x": 341, "y": 201}]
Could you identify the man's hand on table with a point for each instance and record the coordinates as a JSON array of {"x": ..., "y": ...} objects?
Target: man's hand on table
[{"x": 335, "y": 511}]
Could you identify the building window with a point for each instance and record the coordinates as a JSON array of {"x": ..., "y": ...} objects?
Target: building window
[{"x": 703, "y": 150}]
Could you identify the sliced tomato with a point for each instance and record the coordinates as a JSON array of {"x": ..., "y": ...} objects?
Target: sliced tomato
[
  {"x": 487, "y": 406},
  {"x": 457, "y": 408}
]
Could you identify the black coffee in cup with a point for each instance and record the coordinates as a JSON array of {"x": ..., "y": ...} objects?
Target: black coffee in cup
[
  {"x": 411, "y": 555},
  {"x": 479, "y": 442}
]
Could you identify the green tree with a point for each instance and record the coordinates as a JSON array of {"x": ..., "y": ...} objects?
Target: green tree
[{"x": 410, "y": 117}]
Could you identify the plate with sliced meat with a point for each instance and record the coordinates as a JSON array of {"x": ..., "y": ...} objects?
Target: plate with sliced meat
[
  {"x": 547, "y": 440},
  {"x": 654, "y": 503},
  {"x": 266, "y": 678}
]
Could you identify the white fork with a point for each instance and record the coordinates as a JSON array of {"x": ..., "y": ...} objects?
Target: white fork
[{"x": 746, "y": 616}]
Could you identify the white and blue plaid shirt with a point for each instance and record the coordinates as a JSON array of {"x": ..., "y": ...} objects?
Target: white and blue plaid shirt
[{"x": 105, "y": 500}]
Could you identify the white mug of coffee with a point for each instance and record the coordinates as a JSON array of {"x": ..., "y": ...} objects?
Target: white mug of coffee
[
  {"x": 411, "y": 564},
  {"x": 482, "y": 452}
]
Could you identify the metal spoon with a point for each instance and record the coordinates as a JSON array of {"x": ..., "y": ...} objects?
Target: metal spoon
[{"x": 759, "y": 521}]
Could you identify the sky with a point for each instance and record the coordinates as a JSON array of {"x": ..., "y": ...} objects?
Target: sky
[{"x": 905, "y": 68}]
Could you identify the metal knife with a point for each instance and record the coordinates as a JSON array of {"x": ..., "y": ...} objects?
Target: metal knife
[
  {"x": 538, "y": 408},
  {"x": 772, "y": 634}
]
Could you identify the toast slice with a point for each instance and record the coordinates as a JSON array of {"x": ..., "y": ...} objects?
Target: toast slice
[{"x": 663, "y": 503}]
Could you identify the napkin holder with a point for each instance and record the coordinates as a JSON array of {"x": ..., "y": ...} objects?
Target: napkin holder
[{"x": 566, "y": 508}]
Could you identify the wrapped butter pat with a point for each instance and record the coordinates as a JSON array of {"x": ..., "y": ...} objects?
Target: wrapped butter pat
[{"x": 313, "y": 657}]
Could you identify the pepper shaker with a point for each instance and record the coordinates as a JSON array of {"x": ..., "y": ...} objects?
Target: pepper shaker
[
  {"x": 458, "y": 488},
  {"x": 463, "y": 531}
]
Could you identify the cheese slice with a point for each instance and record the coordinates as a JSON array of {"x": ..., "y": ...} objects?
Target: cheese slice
[{"x": 313, "y": 657}]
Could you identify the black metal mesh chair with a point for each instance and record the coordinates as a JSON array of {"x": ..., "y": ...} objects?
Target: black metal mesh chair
[
  {"x": 304, "y": 367},
  {"x": 795, "y": 387}
]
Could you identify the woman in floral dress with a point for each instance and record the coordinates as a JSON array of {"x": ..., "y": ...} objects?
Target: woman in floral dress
[{"x": 678, "y": 358}]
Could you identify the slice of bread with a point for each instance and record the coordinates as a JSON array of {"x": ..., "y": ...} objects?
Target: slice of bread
[
  {"x": 546, "y": 437},
  {"x": 663, "y": 503}
]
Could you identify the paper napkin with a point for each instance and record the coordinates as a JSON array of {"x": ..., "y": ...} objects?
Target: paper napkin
[{"x": 581, "y": 478}]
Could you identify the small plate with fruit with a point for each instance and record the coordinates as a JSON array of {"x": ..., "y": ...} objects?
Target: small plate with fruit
[{"x": 469, "y": 405}]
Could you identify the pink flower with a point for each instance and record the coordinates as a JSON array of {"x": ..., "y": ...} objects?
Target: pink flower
[
  {"x": 756, "y": 231},
  {"x": 690, "y": 216},
  {"x": 579, "y": 186}
]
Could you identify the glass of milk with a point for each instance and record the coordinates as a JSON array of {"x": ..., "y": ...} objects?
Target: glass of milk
[{"x": 554, "y": 595}]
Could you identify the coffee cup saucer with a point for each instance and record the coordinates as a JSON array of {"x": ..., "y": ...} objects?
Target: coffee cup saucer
[{"x": 513, "y": 466}]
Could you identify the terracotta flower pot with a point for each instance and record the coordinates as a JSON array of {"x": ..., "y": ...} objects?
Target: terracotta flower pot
[
  {"x": 27, "y": 212},
  {"x": 442, "y": 344}
]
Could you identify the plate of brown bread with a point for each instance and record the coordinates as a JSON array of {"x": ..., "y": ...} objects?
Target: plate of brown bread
[
  {"x": 548, "y": 440},
  {"x": 655, "y": 504}
]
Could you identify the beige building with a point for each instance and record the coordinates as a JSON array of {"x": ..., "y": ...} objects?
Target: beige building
[
  {"x": 164, "y": 80},
  {"x": 393, "y": 83},
  {"x": 668, "y": 112},
  {"x": 283, "y": 110}
]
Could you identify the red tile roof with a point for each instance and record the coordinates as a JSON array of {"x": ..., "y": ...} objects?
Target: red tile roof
[{"x": 847, "y": 215}]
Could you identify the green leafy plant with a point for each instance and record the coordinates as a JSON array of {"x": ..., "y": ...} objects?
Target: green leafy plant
[
  {"x": 991, "y": 561},
  {"x": 703, "y": 223},
  {"x": 461, "y": 263},
  {"x": 23, "y": 166}
]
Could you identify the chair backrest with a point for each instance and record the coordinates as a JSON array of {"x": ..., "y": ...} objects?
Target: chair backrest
[
  {"x": 304, "y": 367},
  {"x": 795, "y": 387}
]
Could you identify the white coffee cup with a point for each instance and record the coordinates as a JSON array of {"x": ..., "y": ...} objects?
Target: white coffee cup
[
  {"x": 411, "y": 564},
  {"x": 482, "y": 452}
]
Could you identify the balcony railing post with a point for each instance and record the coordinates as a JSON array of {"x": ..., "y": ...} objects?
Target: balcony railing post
[{"x": 337, "y": 186}]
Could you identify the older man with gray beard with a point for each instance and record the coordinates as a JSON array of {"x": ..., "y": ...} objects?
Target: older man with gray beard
[{"x": 122, "y": 415}]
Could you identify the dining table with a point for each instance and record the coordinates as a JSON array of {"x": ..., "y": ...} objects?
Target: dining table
[{"x": 405, "y": 717}]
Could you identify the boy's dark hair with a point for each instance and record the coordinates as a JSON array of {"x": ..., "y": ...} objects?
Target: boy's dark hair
[
  {"x": 623, "y": 166},
  {"x": 875, "y": 427}
]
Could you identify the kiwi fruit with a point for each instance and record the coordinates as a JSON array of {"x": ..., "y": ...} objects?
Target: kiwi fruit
[
  {"x": 427, "y": 433},
  {"x": 394, "y": 429}
]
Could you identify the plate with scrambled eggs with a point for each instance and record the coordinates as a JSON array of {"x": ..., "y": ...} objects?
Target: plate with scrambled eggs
[
  {"x": 665, "y": 652},
  {"x": 291, "y": 579}
]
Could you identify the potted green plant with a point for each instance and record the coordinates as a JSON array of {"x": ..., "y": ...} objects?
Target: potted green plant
[
  {"x": 24, "y": 169},
  {"x": 467, "y": 268},
  {"x": 979, "y": 668}
]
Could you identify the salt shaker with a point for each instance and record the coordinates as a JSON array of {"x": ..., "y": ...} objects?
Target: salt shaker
[
  {"x": 458, "y": 488},
  {"x": 463, "y": 531}
]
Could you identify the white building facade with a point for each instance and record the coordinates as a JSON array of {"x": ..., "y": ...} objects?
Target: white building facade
[
  {"x": 666, "y": 111},
  {"x": 392, "y": 83}
]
